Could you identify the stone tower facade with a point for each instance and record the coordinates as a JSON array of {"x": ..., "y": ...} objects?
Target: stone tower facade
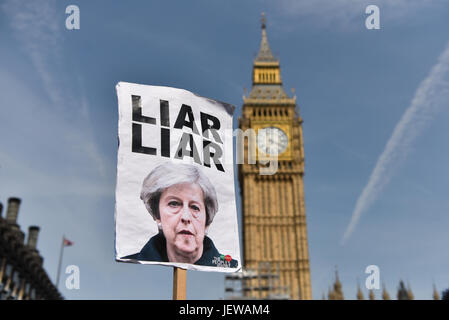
[{"x": 274, "y": 214}]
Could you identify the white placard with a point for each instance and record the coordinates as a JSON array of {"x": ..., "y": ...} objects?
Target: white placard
[{"x": 175, "y": 197}]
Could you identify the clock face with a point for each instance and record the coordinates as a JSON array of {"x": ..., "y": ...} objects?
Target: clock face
[{"x": 272, "y": 140}]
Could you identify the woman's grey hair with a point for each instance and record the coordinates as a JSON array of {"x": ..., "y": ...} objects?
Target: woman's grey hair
[{"x": 170, "y": 174}]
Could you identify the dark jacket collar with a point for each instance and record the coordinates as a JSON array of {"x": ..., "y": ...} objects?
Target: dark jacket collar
[{"x": 156, "y": 250}]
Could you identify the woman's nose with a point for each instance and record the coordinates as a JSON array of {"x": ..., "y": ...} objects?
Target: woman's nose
[{"x": 186, "y": 216}]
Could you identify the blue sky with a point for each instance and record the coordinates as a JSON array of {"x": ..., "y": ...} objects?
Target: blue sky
[{"x": 58, "y": 122}]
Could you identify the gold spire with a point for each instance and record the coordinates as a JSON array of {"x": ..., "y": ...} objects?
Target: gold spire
[
  {"x": 338, "y": 293},
  {"x": 359, "y": 292},
  {"x": 402, "y": 291},
  {"x": 265, "y": 54},
  {"x": 436, "y": 295},
  {"x": 409, "y": 292},
  {"x": 385, "y": 294},
  {"x": 267, "y": 82},
  {"x": 330, "y": 294},
  {"x": 371, "y": 295}
]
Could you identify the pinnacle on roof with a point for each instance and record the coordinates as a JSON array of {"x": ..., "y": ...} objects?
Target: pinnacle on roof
[{"x": 265, "y": 54}]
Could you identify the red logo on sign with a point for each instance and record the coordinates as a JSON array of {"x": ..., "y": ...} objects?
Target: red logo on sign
[{"x": 228, "y": 258}]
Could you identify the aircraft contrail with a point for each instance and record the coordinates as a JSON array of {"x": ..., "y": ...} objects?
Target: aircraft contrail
[{"x": 430, "y": 96}]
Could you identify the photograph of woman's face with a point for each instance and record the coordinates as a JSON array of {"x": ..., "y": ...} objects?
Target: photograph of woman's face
[{"x": 183, "y": 219}]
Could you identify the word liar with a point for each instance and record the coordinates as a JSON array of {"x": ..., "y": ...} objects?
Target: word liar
[{"x": 186, "y": 145}]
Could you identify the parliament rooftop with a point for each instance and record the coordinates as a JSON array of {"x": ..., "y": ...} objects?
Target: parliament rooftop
[{"x": 22, "y": 276}]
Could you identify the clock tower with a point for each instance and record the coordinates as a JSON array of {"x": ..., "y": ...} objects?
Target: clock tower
[{"x": 274, "y": 216}]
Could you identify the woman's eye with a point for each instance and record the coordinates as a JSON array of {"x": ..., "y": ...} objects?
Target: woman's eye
[
  {"x": 173, "y": 203},
  {"x": 195, "y": 208}
]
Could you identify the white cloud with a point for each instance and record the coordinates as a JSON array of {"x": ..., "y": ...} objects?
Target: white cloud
[
  {"x": 35, "y": 25},
  {"x": 431, "y": 95}
]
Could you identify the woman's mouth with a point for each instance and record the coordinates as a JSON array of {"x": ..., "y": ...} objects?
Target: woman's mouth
[{"x": 185, "y": 232}]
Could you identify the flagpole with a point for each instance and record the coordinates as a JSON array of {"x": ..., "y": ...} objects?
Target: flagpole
[{"x": 60, "y": 262}]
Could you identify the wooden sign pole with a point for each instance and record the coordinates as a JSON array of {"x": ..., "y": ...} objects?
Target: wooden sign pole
[{"x": 179, "y": 283}]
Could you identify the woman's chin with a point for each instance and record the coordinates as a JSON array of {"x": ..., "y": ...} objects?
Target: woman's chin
[{"x": 186, "y": 250}]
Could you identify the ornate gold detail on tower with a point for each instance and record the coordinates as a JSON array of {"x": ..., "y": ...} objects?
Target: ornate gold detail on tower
[{"x": 274, "y": 217}]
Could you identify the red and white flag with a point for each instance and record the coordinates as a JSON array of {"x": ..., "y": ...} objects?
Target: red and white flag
[{"x": 67, "y": 242}]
